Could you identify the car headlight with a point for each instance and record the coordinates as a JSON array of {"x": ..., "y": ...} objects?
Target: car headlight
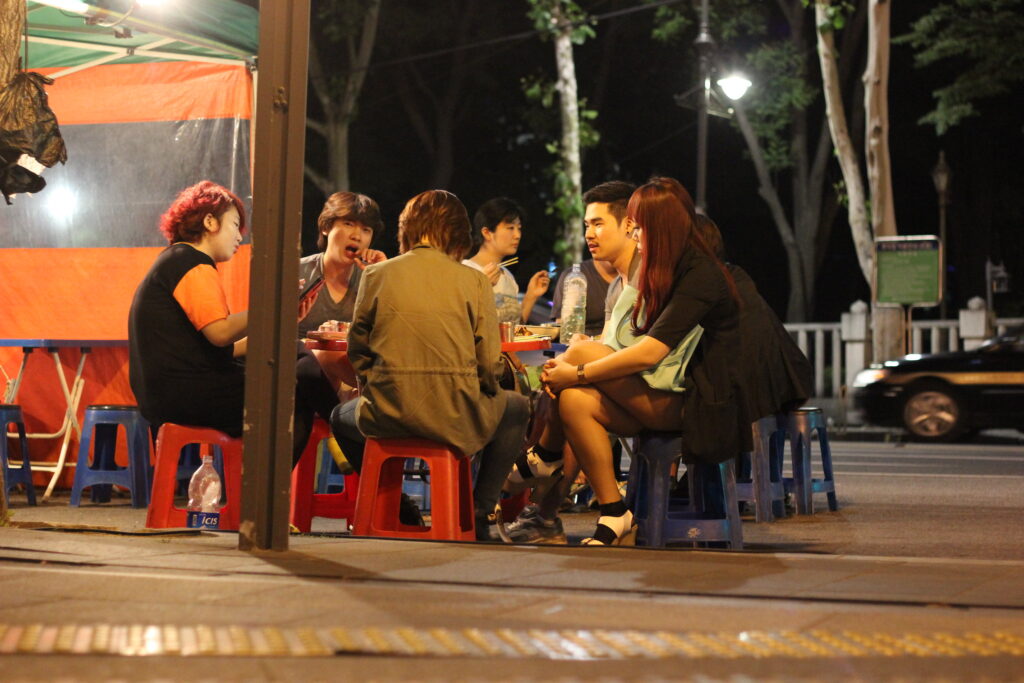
[{"x": 870, "y": 376}]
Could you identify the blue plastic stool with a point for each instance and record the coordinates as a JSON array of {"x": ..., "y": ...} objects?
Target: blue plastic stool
[
  {"x": 329, "y": 479},
  {"x": 11, "y": 414},
  {"x": 800, "y": 426},
  {"x": 763, "y": 484},
  {"x": 417, "y": 482},
  {"x": 99, "y": 431},
  {"x": 712, "y": 513}
]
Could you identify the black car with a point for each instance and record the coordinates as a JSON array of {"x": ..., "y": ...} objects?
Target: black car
[{"x": 942, "y": 396}]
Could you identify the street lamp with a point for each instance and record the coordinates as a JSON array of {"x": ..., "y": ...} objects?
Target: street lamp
[
  {"x": 734, "y": 86},
  {"x": 941, "y": 176}
]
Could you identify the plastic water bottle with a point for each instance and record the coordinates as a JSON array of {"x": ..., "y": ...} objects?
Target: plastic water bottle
[
  {"x": 204, "y": 497},
  {"x": 574, "y": 304}
]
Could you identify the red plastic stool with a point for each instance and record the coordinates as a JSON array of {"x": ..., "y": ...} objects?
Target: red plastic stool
[
  {"x": 162, "y": 513},
  {"x": 451, "y": 491},
  {"x": 306, "y": 504}
]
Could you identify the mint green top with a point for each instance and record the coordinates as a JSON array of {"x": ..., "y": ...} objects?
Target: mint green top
[{"x": 667, "y": 375}]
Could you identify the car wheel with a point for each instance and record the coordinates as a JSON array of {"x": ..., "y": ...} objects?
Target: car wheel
[{"x": 933, "y": 412}]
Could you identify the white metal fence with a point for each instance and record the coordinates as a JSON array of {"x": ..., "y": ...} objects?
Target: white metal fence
[{"x": 822, "y": 343}]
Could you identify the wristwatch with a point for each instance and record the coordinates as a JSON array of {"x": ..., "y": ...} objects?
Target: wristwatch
[{"x": 581, "y": 376}]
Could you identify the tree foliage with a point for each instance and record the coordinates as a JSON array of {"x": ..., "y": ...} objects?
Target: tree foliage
[{"x": 982, "y": 40}]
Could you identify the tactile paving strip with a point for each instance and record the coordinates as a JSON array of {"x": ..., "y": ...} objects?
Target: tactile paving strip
[{"x": 134, "y": 640}]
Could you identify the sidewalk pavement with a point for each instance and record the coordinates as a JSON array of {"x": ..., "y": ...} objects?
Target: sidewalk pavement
[{"x": 341, "y": 607}]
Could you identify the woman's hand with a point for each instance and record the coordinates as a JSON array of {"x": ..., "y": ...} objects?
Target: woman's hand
[
  {"x": 493, "y": 273},
  {"x": 558, "y": 375},
  {"x": 369, "y": 257},
  {"x": 538, "y": 285}
]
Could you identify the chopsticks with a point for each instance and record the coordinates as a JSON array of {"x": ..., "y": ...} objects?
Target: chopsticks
[{"x": 509, "y": 262}]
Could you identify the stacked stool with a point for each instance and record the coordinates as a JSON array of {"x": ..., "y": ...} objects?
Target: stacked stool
[
  {"x": 800, "y": 426},
  {"x": 712, "y": 513},
  {"x": 11, "y": 414},
  {"x": 99, "y": 435},
  {"x": 380, "y": 491},
  {"x": 170, "y": 440}
]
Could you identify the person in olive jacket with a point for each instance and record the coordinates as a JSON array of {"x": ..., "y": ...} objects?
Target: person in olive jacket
[{"x": 425, "y": 347}]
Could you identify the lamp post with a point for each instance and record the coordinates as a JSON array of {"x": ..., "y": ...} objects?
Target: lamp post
[
  {"x": 734, "y": 86},
  {"x": 705, "y": 45},
  {"x": 941, "y": 176}
]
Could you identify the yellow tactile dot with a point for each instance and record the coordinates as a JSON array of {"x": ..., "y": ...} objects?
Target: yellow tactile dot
[
  {"x": 448, "y": 641},
  {"x": 932, "y": 644},
  {"x": 617, "y": 642},
  {"x": 344, "y": 640},
  {"x": 485, "y": 641},
  {"x": 650, "y": 645},
  {"x": 413, "y": 639},
  {"x": 241, "y": 643},
  {"x": 679, "y": 643},
  {"x": 170, "y": 640},
  {"x": 873, "y": 645},
  {"x": 100, "y": 639},
  {"x": 746, "y": 642},
  {"x": 1010, "y": 642},
  {"x": 777, "y": 644},
  {"x": 556, "y": 646},
  {"x": 586, "y": 641},
  {"x": 276, "y": 644},
  {"x": 842, "y": 644},
  {"x": 29, "y": 638},
  {"x": 811, "y": 647},
  {"x": 65, "y": 638},
  {"x": 713, "y": 645},
  {"x": 518, "y": 642}
]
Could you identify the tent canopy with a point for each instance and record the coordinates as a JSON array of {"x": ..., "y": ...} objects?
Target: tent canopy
[{"x": 77, "y": 35}]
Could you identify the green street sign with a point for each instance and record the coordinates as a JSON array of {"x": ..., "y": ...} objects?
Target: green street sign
[{"x": 908, "y": 271}]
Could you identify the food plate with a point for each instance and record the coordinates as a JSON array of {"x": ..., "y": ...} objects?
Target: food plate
[
  {"x": 539, "y": 330},
  {"x": 327, "y": 336}
]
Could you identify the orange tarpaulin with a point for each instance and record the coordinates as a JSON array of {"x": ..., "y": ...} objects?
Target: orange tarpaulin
[
  {"x": 155, "y": 91},
  {"x": 85, "y": 293}
]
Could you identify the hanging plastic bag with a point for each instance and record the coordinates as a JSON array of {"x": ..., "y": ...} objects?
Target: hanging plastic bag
[{"x": 29, "y": 135}]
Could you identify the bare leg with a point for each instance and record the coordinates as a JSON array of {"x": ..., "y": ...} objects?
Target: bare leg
[
  {"x": 588, "y": 416},
  {"x": 553, "y": 436},
  {"x": 621, "y": 406}
]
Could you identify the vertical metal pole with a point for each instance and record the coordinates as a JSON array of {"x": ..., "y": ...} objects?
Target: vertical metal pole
[
  {"x": 705, "y": 44},
  {"x": 277, "y": 216}
]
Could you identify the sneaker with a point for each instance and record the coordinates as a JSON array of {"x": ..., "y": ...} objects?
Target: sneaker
[{"x": 530, "y": 527}]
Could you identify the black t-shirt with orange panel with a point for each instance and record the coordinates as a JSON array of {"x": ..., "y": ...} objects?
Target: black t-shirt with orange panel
[{"x": 177, "y": 375}]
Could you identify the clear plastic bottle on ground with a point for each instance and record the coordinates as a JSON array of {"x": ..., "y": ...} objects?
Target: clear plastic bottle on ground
[
  {"x": 574, "y": 304},
  {"x": 204, "y": 496}
]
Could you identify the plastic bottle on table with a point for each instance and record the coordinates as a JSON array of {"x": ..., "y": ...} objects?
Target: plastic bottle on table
[
  {"x": 574, "y": 304},
  {"x": 204, "y": 496}
]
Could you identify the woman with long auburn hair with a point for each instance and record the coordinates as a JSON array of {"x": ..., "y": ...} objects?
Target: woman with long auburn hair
[{"x": 641, "y": 376}]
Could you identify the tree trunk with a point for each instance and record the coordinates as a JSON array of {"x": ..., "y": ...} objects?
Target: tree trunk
[
  {"x": 876, "y": 104},
  {"x": 570, "y": 147},
  {"x": 11, "y": 26},
  {"x": 338, "y": 115},
  {"x": 863, "y": 239},
  {"x": 888, "y": 339},
  {"x": 796, "y": 309}
]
